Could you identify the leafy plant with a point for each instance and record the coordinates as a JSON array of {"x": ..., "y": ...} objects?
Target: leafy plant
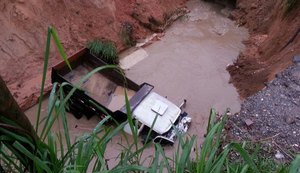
[{"x": 105, "y": 50}]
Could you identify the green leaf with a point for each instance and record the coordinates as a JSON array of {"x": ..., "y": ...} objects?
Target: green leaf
[
  {"x": 295, "y": 166},
  {"x": 65, "y": 123},
  {"x": 47, "y": 52},
  {"x": 245, "y": 169},
  {"x": 59, "y": 47},
  {"x": 41, "y": 164},
  {"x": 245, "y": 156},
  {"x": 9, "y": 161}
]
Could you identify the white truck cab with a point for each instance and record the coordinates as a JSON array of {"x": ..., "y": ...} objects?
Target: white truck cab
[{"x": 161, "y": 114}]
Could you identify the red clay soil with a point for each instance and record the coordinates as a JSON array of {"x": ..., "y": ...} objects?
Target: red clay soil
[
  {"x": 274, "y": 40},
  {"x": 24, "y": 27}
]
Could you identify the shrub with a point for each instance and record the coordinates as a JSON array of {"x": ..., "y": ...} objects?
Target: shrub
[
  {"x": 126, "y": 35},
  {"x": 290, "y": 5},
  {"x": 106, "y": 50}
]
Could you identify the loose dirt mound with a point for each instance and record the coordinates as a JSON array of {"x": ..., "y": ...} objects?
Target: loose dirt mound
[
  {"x": 274, "y": 40},
  {"x": 24, "y": 27}
]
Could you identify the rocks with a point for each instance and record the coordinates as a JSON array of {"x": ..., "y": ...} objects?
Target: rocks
[
  {"x": 275, "y": 111},
  {"x": 290, "y": 119},
  {"x": 296, "y": 74},
  {"x": 248, "y": 122},
  {"x": 296, "y": 59}
]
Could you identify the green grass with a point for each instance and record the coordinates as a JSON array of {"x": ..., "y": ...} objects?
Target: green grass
[
  {"x": 55, "y": 151},
  {"x": 105, "y": 50},
  {"x": 262, "y": 157}
]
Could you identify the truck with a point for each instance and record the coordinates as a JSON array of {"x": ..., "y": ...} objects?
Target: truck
[{"x": 104, "y": 94}]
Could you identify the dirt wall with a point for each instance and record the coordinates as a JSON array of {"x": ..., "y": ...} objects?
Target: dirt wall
[
  {"x": 24, "y": 27},
  {"x": 274, "y": 40}
]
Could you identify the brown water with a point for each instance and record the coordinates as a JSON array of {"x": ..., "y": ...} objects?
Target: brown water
[{"x": 189, "y": 62}]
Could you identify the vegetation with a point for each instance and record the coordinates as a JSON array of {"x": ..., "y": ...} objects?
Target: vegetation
[
  {"x": 290, "y": 5},
  {"x": 127, "y": 35},
  {"x": 262, "y": 156},
  {"x": 105, "y": 50},
  {"x": 55, "y": 152}
]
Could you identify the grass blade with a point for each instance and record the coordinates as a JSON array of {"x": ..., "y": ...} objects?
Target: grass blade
[
  {"x": 65, "y": 123},
  {"x": 36, "y": 160},
  {"x": 43, "y": 79},
  {"x": 59, "y": 47},
  {"x": 245, "y": 156},
  {"x": 295, "y": 167}
]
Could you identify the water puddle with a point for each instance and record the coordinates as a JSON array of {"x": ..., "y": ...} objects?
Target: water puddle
[
  {"x": 76, "y": 127},
  {"x": 190, "y": 62}
]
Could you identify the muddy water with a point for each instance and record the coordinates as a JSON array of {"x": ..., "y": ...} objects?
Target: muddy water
[
  {"x": 190, "y": 61},
  {"x": 76, "y": 127}
]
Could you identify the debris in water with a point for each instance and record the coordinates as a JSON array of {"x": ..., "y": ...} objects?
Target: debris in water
[{"x": 279, "y": 155}]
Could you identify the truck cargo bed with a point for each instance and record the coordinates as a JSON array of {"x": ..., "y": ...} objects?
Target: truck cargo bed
[{"x": 104, "y": 89}]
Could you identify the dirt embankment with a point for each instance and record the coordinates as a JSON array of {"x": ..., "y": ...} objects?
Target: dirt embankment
[
  {"x": 274, "y": 40},
  {"x": 24, "y": 27}
]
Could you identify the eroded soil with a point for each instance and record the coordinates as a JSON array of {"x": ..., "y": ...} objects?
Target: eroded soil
[
  {"x": 24, "y": 29},
  {"x": 271, "y": 115},
  {"x": 274, "y": 40}
]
